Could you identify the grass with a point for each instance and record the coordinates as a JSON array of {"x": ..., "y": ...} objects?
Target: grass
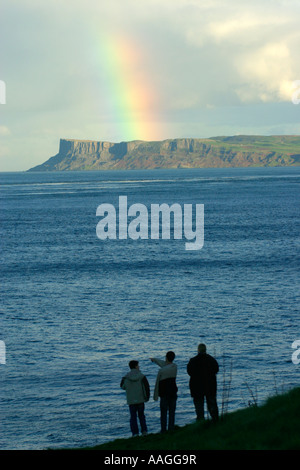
[{"x": 271, "y": 426}]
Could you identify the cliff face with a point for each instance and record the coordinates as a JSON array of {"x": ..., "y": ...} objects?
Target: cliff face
[{"x": 236, "y": 151}]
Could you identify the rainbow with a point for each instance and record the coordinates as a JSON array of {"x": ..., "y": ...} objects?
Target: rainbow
[{"x": 131, "y": 98}]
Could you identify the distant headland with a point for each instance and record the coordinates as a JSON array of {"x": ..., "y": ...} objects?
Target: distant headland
[{"x": 213, "y": 152}]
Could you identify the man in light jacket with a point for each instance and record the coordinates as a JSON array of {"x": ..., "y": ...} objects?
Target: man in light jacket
[
  {"x": 166, "y": 389},
  {"x": 137, "y": 393}
]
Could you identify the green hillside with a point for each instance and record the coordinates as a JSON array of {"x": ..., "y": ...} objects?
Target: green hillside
[{"x": 272, "y": 426}]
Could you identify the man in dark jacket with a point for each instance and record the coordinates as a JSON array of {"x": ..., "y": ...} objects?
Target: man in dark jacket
[{"x": 202, "y": 370}]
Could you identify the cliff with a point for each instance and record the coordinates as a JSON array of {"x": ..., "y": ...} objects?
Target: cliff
[{"x": 214, "y": 152}]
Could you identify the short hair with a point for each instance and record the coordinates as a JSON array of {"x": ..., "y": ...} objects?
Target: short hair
[
  {"x": 201, "y": 348},
  {"x": 133, "y": 364},
  {"x": 170, "y": 356}
]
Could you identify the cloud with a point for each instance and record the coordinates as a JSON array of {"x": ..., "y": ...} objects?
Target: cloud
[
  {"x": 260, "y": 44},
  {"x": 267, "y": 73},
  {"x": 4, "y": 131}
]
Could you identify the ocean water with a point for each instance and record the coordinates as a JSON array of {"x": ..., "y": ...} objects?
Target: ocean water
[{"x": 75, "y": 309}]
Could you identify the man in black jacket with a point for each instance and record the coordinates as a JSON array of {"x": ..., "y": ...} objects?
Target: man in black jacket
[{"x": 202, "y": 370}]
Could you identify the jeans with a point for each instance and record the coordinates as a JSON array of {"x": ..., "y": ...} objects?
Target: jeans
[
  {"x": 212, "y": 406},
  {"x": 167, "y": 405},
  {"x": 137, "y": 411}
]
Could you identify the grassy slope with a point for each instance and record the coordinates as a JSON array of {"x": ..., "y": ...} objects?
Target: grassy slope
[
  {"x": 280, "y": 144},
  {"x": 275, "y": 425}
]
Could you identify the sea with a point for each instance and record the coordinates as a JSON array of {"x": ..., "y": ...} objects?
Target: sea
[{"x": 75, "y": 309}]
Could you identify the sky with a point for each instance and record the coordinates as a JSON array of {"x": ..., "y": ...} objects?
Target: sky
[{"x": 121, "y": 70}]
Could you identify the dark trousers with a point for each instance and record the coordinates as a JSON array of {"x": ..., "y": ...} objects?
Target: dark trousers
[
  {"x": 167, "y": 407},
  {"x": 137, "y": 411},
  {"x": 212, "y": 406}
]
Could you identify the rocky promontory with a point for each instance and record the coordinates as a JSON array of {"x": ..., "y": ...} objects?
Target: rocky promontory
[{"x": 214, "y": 152}]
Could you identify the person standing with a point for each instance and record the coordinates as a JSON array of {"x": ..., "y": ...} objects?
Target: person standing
[
  {"x": 202, "y": 370},
  {"x": 166, "y": 389},
  {"x": 137, "y": 390}
]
